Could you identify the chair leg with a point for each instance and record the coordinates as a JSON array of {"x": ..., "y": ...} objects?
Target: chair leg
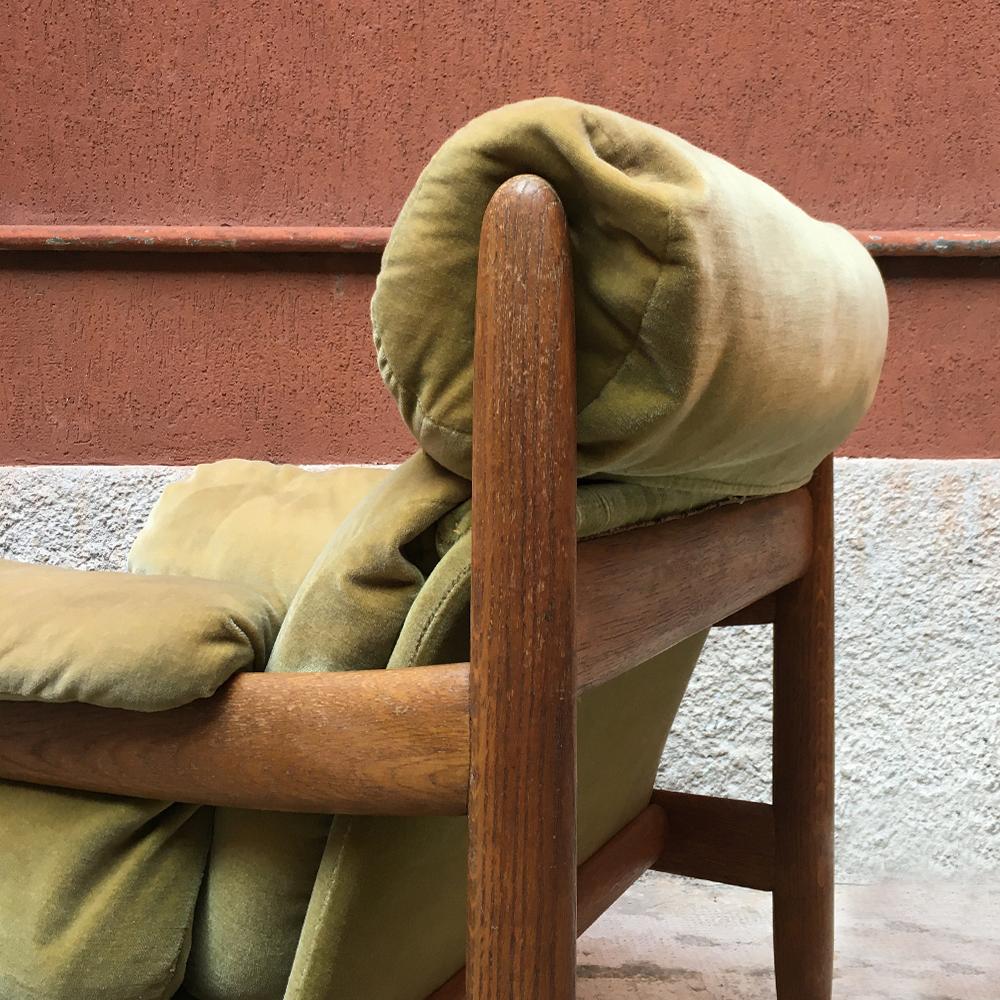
[
  {"x": 521, "y": 938},
  {"x": 803, "y": 766}
]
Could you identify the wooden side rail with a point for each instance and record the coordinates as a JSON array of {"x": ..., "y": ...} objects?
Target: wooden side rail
[
  {"x": 720, "y": 840},
  {"x": 371, "y": 741},
  {"x": 640, "y": 592}
]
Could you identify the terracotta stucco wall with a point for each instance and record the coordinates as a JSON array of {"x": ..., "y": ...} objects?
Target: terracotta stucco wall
[{"x": 320, "y": 113}]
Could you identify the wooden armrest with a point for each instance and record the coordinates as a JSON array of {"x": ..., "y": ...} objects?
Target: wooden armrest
[
  {"x": 397, "y": 741},
  {"x": 370, "y": 741}
]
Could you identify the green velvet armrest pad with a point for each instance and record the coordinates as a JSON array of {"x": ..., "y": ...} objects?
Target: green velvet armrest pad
[{"x": 124, "y": 641}]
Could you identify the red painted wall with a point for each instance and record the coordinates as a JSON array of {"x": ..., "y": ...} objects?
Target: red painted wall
[{"x": 256, "y": 112}]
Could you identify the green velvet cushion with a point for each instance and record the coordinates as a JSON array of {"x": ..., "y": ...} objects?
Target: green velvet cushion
[
  {"x": 258, "y": 523},
  {"x": 723, "y": 336},
  {"x": 96, "y": 894},
  {"x": 124, "y": 641}
]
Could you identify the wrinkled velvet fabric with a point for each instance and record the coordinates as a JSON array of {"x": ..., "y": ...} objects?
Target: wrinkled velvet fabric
[
  {"x": 255, "y": 522},
  {"x": 124, "y": 641},
  {"x": 723, "y": 336},
  {"x": 97, "y": 894}
]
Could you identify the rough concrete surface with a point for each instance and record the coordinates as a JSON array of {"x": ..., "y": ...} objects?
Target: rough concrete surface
[
  {"x": 671, "y": 939},
  {"x": 918, "y": 676}
]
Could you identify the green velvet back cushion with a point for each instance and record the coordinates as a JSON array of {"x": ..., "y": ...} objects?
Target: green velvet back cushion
[
  {"x": 258, "y": 523},
  {"x": 387, "y": 915},
  {"x": 391, "y": 586},
  {"x": 724, "y": 337}
]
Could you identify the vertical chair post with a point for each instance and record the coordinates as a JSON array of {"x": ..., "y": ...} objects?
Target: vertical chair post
[
  {"x": 522, "y": 796},
  {"x": 803, "y": 765}
]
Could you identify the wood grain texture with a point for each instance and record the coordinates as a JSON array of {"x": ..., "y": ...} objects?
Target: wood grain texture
[
  {"x": 640, "y": 592},
  {"x": 602, "y": 878},
  {"x": 522, "y": 795},
  {"x": 373, "y": 741},
  {"x": 721, "y": 840},
  {"x": 759, "y": 613},
  {"x": 804, "y": 765}
]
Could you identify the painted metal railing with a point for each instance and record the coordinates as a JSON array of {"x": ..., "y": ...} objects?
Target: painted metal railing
[{"x": 372, "y": 240}]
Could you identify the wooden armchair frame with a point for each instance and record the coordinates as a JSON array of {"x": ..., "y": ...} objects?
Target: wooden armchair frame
[{"x": 496, "y": 738}]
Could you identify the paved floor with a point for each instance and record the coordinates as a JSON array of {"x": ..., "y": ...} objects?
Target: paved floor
[{"x": 670, "y": 939}]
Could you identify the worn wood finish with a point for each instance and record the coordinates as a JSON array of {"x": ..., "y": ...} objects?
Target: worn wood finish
[
  {"x": 720, "y": 840},
  {"x": 522, "y": 795},
  {"x": 372, "y": 741},
  {"x": 640, "y": 592},
  {"x": 803, "y": 765},
  {"x": 759, "y": 613},
  {"x": 602, "y": 878}
]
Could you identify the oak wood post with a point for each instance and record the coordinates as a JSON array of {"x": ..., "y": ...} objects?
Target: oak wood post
[
  {"x": 522, "y": 793},
  {"x": 803, "y": 765}
]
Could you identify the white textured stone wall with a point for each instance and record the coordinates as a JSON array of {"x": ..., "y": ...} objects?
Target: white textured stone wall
[
  {"x": 918, "y": 560},
  {"x": 918, "y": 676}
]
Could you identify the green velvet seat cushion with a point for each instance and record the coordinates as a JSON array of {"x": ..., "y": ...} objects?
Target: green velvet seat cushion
[
  {"x": 97, "y": 894},
  {"x": 124, "y": 641}
]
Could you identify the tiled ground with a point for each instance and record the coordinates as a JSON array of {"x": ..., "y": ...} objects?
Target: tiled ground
[{"x": 668, "y": 939}]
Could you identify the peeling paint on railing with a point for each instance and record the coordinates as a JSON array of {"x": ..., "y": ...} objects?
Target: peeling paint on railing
[
  {"x": 197, "y": 239},
  {"x": 372, "y": 240}
]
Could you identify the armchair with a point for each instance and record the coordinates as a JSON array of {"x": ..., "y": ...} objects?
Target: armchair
[{"x": 495, "y": 738}]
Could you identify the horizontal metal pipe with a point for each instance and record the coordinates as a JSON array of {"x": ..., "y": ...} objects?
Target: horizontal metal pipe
[
  {"x": 372, "y": 240},
  {"x": 197, "y": 239},
  {"x": 931, "y": 242}
]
